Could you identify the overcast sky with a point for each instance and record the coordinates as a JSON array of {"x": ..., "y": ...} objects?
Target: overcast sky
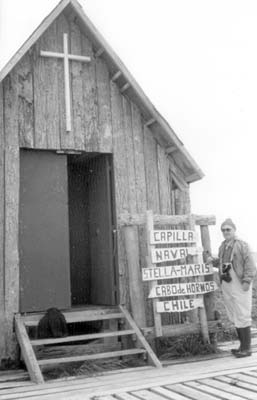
[{"x": 197, "y": 61}]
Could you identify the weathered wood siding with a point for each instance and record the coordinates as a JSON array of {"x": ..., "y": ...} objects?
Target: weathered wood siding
[
  {"x": 32, "y": 115},
  {"x": 11, "y": 206},
  {"x": 2, "y": 202}
]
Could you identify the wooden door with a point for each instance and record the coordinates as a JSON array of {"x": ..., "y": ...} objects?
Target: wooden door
[
  {"x": 101, "y": 228},
  {"x": 44, "y": 233}
]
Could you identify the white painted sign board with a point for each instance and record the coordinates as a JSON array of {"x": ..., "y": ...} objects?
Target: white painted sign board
[
  {"x": 176, "y": 271},
  {"x": 179, "y": 305},
  {"x": 182, "y": 289},
  {"x": 172, "y": 253},
  {"x": 172, "y": 236}
]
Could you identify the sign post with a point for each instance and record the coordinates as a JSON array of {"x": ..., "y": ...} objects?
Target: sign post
[
  {"x": 157, "y": 316},
  {"x": 202, "y": 311},
  {"x": 188, "y": 295}
]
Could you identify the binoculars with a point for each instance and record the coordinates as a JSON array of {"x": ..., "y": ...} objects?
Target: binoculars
[{"x": 225, "y": 275}]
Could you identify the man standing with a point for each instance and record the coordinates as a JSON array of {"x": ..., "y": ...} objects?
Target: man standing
[{"x": 237, "y": 270}]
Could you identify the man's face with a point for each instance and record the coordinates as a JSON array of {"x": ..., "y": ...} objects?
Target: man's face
[{"x": 228, "y": 232}]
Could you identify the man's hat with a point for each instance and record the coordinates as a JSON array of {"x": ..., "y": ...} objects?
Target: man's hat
[{"x": 228, "y": 222}]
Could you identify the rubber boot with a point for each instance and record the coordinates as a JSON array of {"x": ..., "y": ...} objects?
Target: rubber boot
[
  {"x": 246, "y": 343},
  {"x": 235, "y": 351}
]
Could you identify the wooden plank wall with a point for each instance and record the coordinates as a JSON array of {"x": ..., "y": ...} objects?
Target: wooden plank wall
[
  {"x": 11, "y": 206},
  {"x": 103, "y": 120},
  {"x": 2, "y": 223}
]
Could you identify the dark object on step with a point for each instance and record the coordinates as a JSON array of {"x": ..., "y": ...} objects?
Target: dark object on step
[
  {"x": 8, "y": 363},
  {"x": 52, "y": 325}
]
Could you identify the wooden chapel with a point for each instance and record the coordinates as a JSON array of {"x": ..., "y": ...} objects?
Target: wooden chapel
[{"x": 81, "y": 150}]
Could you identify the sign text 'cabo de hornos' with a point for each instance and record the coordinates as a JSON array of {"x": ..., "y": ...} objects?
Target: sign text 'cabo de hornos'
[
  {"x": 169, "y": 254},
  {"x": 182, "y": 289}
]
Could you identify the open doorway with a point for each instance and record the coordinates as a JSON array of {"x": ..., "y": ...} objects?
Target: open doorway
[
  {"x": 93, "y": 262},
  {"x": 67, "y": 231}
]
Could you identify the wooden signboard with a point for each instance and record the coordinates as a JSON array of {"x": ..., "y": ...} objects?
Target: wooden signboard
[
  {"x": 172, "y": 236},
  {"x": 172, "y": 253},
  {"x": 182, "y": 289},
  {"x": 179, "y": 305},
  {"x": 176, "y": 271}
]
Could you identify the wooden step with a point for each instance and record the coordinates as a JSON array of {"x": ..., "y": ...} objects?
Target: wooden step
[
  {"x": 76, "y": 316},
  {"x": 38, "y": 342},
  {"x": 86, "y": 357},
  {"x": 73, "y": 350},
  {"x": 28, "y": 346},
  {"x": 27, "y": 351},
  {"x": 152, "y": 356}
]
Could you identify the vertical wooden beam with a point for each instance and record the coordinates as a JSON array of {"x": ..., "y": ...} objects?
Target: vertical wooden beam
[
  {"x": 151, "y": 171},
  {"x": 67, "y": 83},
  {"x": 119, "y": 149},
  {"x": 121, "y": 184},
  {"x": 172, "y": 194},
  {"x": 140, "y": 187},
  {"x": 12, "y": 182},
  {"x": 26, "y": 102},
  {"x": 92, "y": 117},
  {"x": 46, "y": 97},
  {"x": 165, "y": 206},
  {"x": 183, "y": 206},
  {"x": 164, "y": 181},
  {"x": 135, "y": 278},
  {"x": 129, "y": 154},
  {"x": 180, "y": 206},
  {"x": 187, "y": 200},
  {"x": 209, "y": 297},
  {"x": 152, "y": 188},
  {"x": 202, "y": 311},
  {"x": 104, "y": 106},
  {"x": 76, "y": 87},
  {"x": 179, "y": 202},
  {"x": 2, "y": 192},
  {"x": 139, "y": 158},
  {"x": 157, "y": 316}
]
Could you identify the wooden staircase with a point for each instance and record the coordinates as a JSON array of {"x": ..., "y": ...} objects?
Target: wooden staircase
[{"x": 27, "y": 345}]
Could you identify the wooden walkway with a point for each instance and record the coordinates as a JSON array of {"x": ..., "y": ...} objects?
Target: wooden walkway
[{"x": 220, "y": 378}]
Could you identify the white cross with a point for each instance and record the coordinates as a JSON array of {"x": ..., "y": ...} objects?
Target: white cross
[{"x": 66, "y": 57}]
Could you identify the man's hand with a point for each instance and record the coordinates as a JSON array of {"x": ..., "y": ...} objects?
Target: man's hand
[
  {"x": 209, "y": 260},
  {"x": 245, "y": 286}
]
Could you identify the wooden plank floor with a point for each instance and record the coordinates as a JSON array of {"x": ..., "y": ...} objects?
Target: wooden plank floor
[{"x": 221, "y": 378}]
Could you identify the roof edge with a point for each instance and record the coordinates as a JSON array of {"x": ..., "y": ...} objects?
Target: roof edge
[
  {"x": 166, "y": 131},
  {"x": 33, "y": 37}
]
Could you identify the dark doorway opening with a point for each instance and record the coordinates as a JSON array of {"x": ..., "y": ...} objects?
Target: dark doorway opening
[
  {"x": 92, "y": 225},
  {"x": 67, "y": 231}
]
